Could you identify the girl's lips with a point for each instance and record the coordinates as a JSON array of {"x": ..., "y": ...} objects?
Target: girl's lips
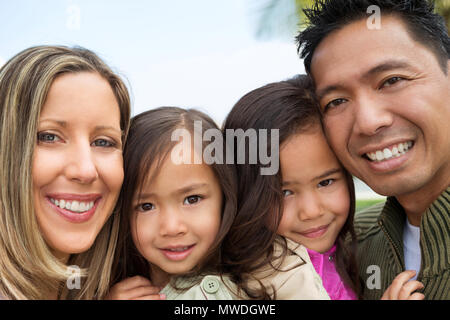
[
  {"x": 177, "y": 255},
  {"x": 71, "y": 216},
  {"x": 315, "y": 232}
]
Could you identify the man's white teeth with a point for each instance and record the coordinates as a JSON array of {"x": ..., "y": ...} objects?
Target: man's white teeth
[
  {"x": 178, "y": 249},
  {"x": 75, "y": 206},
  {"x": 386, "y": 153}
]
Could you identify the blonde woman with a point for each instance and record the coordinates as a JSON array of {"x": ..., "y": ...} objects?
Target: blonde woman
[{"x": 64, "y": 117}]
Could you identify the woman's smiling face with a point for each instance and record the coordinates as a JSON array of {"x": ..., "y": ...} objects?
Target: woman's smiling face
[{"x": 77, "y": 165}]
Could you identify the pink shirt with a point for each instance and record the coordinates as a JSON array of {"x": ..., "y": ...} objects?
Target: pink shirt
[{"x": 324, "y": 265}]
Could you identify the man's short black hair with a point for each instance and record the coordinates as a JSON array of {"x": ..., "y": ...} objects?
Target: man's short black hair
[{"x": 424, "y": 26}]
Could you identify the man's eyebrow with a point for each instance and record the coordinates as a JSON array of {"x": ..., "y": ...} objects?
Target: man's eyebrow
[
  {"x": 323, "y": 92},
  {"x": 382, "y": 67},
  {"x": 386, "y": 66}
]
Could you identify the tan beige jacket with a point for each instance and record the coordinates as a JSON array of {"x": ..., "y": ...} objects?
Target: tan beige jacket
[{"x": 298, "y": 281}]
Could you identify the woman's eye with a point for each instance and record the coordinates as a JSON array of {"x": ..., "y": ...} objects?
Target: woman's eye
[
  {"x": 391, "y": 81},
  {"x": 334, "y": 103},
  {"x": 47, "y": 137},
  {"x": 287, "y": 193},
  {"x": 192, "y": 200},
  {"x": 146, "y": 207},
  {"x": 325, "y": 183},
  {"x": 103, "y": 143}
]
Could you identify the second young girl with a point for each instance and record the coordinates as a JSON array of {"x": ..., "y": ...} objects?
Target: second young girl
[
  {"x": 175, "y": 213},
  {"x": 304, "y": 212},
  {"x": 309, "y": 203}
]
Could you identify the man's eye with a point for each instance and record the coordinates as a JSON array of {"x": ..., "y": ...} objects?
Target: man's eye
[
  {"x": 287, "y": 193},
  {"x": 47, "y": 137},
  {"x": 391, "y": 81},
  {"x": 103, "y": 143},
  {"x": 334, "y": 103},
  {"x": 192, "y": 199},
  {"x": 146, "y": 207},
  {"x": 325, "y": 183}
]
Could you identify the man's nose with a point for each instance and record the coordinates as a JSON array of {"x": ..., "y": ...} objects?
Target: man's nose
[{"x": 371, "y": 115}]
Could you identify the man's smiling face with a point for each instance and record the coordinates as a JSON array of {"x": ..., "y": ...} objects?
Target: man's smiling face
[{"x": 386, "y": 104}]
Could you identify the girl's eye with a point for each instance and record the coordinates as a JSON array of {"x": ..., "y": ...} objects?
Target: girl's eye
[
  {"x": 146, "y": 207},
  {"x": 103, "y": 143},
  {"x": 287, "y": 193},
  {"x": 192, "y": 199},
  {"x": 391, "y": 81},
  {"x": 47, "y": 137},
  {"x": 325, "y": 183},
  {"x": 334, "y": 103}
]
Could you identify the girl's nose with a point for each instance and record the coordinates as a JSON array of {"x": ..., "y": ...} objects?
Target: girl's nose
[
  {"x": 309, "y": 207},
  {"x": 171, "y": 223}
]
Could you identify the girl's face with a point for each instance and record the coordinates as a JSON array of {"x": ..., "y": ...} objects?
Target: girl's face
[
  {"x": 177, "y": 217},
  {"x": 316, "y": 196},
  {"x": 77, "y": 167}
]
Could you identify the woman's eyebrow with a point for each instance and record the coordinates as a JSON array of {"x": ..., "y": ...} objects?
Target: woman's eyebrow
[
  {"x": 101, "y": 128},
  {"x": 60, "y": 123},
  {"x": 64, "y": 124}
]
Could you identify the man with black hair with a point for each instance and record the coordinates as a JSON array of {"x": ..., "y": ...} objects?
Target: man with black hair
[{"x": 384, "y": 92}]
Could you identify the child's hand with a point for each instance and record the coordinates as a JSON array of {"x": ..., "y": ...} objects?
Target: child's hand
[
  {"x": 135, "y": 288},
  {"x": 402, "y": 289}
]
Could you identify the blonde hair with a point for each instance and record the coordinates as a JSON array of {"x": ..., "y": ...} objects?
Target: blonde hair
[{"x": 28, "y": 270}]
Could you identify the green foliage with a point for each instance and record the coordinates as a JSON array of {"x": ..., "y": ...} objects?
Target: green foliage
[
  {"x": 443, "y": 8},
  {"x": 285, "y": 17},
  {"x": 361, "y": 204}
]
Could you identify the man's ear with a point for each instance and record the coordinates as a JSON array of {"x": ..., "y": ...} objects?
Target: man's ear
[{"x": 448, "y": 68}]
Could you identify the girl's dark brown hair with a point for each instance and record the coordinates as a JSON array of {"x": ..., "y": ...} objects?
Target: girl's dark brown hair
[
  {"x": 290, "y": 107},
  {"x": 148, "y": 146}
]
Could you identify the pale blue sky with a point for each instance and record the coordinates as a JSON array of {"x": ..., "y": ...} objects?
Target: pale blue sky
[{"x": 198, "y": 53}]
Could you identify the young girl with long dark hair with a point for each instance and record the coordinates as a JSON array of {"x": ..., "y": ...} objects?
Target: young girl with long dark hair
[
  {"x": 177, "y": 207},
  {"x": 299, "y": 217}
]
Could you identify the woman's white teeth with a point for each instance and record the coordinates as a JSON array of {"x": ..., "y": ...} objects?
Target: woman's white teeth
[
  {"x": 75, "y": 206},
  {"x": 387, "y": 153}
]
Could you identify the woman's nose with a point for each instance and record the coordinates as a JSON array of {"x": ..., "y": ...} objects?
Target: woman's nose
[{"x": 81, "y": 166}]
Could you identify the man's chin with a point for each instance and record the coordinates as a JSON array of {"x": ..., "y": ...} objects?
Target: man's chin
[{"x": 394, "y": 186}]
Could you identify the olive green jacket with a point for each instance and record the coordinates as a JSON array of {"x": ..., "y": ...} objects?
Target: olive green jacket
[{"x": 380, "y": 247}]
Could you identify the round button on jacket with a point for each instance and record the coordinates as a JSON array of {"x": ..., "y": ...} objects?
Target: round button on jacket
[{"x": 210, "y": 285}]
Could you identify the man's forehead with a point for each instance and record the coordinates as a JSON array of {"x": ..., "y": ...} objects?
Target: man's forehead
[{"x": 354, "y": 49}]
